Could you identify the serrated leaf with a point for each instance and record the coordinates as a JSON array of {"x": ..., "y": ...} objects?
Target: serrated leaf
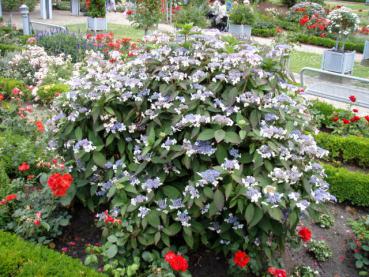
[
  {"x": 219, "y": 135},
  {"x": 207, "y": 134}
]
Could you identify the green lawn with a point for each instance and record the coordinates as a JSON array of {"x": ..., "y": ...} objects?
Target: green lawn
[
  {"x": 300, "y": 60},
  {"x": 118, "y": 30},
  {"x": 351, "y": 5}
]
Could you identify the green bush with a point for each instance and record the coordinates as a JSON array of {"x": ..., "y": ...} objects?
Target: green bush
[
  {"x": 242, "y": 15},
  {"x": 5, "y": 48},
  {"x": 348, "y": 185},
  {"x": 47, "y": 93},
  {"x": 13, "y": 5},
  {"x": 192, "y": 14},
  {"x": 350, "y": 149},
  {"x": 19, "y": 258},
  {"x": 329, "y": 43},
  {"x": 68, "y": 43},
  {"x": 7, "y": 85},
  {"x": 263, "y": 32},
  {"x": 97, "y": 8}
]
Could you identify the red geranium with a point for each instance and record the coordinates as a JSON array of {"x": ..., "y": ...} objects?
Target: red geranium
[
  {"x": 8, "y": 198},
  {"x": 277, "y": 272},
  {"x": 352, "y": 98},
  {"x": 241, "y": 259},
  {"x": 345, "y": 121},
  {"x": 1, "y": 97},
  {"x": 176, "y": 262},
  {"x": 305, "y": 234},
  {"x": 59, "y": 183},
  {"x": 40, "y": 126},
  {"x": 355, "y": 118},
  {"x": 24, "y": 167},
  {"x": 305, "y": 19},
  {"x": 335, "y": 118},
  {"x": 355, "y": 110},
  {"x": 367, "y": 117},
  {"x": 130, "y": 12}
]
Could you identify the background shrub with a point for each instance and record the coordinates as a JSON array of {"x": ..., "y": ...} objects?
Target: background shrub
[
  {"x": 47, "y": 93},
  {"x": 13, "y": 5},
  {"x": 348, "y": 185},
  {"x": 7, "y": 85},
  {"x": 192, "y": 14},
  {"x": 23, "y": 259},
  {"x": 349, "y": 149},
  {"x": 242, "y": 15}
]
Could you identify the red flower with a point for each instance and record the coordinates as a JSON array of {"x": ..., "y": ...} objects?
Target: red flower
[
  {"x": 345, "y": 121},
  {"x": 335, "y": 119},
  {"x": 37, "y": 222},
  {"x": 129, "y": 12},
  {"x": 40, "y": 126},
  {"x": 23, "y": 167},
  {"x": 241, "y": 259},
  {"x": 323, "y": 35},
  {"x": 176, "y": 262},
  {"x": 59, "y": 183},
  {"x": 277, "y": 272},
  {"x": 1, "y": 97},
  {"x": 304, "y": 20},
  {"x": 355, "y": 118},
  {"x": 367, "y": 117},
  {"x": 352, "y": 98},
  {"x": 355, "y": 110},
  {"x": 278, "y": 29},
  {"x": 16, "y": 91},
  {"x": 305, "y": 234},
  {"x": 10, "y": 197}
]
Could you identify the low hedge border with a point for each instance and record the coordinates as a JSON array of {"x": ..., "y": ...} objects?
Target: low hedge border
[
  {"x": 5, "y": 48},
  {"x": 19, "y": 258},
  {"x": 263, "y": 32},
  {"x": 328, "y": 42},
  {"x": 348, "y": 149},
  {"x": 346, "y": 185}
]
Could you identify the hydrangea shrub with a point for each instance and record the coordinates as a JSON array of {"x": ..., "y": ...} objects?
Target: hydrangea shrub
[{"x": 199, "y": 143}]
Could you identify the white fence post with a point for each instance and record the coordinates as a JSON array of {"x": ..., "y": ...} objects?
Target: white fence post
[{"x": 24, "y": 10}]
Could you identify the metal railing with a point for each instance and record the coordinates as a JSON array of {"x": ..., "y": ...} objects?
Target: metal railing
[
  {"x": 37, "y": 26},
  {"x": 335, "y": 86}
]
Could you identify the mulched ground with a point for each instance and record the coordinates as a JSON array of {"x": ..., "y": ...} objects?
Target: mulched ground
[{"x": 205, "y": 263}]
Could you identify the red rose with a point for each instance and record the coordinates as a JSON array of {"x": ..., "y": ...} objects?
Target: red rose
[
  {"x": 277, "y": 272},
  {"x": 23, "y": 167},
  {"x": 176, "y": 262},
  {"x": 352, "y": 98},
  {"x": 59, "y": 183},
  {"x": 304, "y": 20},
  {"x": 305, "y": 234},
  {"x": 241, "y": 259},
  {"x": 40, "y": 126},
  {"x": 355, "y": 118},
  {"x": 335, "y": 118},
  {"x": 355, "y": 110},
  {"x": 367, "y": 117},
  {"x": 345, "y": 121},
  {"x": 10, "y": 197},
  {"x": 1, "y": 97}
]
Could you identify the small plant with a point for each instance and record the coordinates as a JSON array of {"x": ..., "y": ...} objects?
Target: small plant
[
  {"x": 146, "y": 15},
  {"x": 192, "y": 14},
  {"x": 96, "y": 8},
  {"x": 320, "y": 250},
  {"x": 360, "y": 244},
  {"x": 47, "y": 93},
  {"x": 242, "y": 15},
  {"x": 304, "y": 271},
  {"x": 326, "y": 221}
]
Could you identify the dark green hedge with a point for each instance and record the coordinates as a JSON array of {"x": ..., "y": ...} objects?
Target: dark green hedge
[
  {"x": 329, "y": 43},
  {"x": 349, "y": 149},
  {"x": 346, "y": 185},
  {"x": 19, "y": 258},
  {"x": 263, "y": 32}
]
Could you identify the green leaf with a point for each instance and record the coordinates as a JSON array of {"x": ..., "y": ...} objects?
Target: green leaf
[
  {"x": 78, "y": 133},
  {"x": 173, "y": 229},
  {"x": 112, "y": 251},
  {"x": 221, "y": 153},
  {"x": 99, "y": 159},
  {"x": 219, "y": 135},
  {"x": 250, "y": 210},
  {"x": 171, "y": 192},
  {"x": 207, "y": 134},
  {"x": 258, "y": 215},
  {"x": 153, "y": 218},
  {"x": 219, "y": 199},
  {"x": 228, "y": 190},
  {"x": 275, "y": 213},
  {"x": 189, "y": 240},
  {"x": 232, "y": 137}
]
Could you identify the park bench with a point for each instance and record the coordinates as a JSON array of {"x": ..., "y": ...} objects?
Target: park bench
[{"x": 335, "y": 86}]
